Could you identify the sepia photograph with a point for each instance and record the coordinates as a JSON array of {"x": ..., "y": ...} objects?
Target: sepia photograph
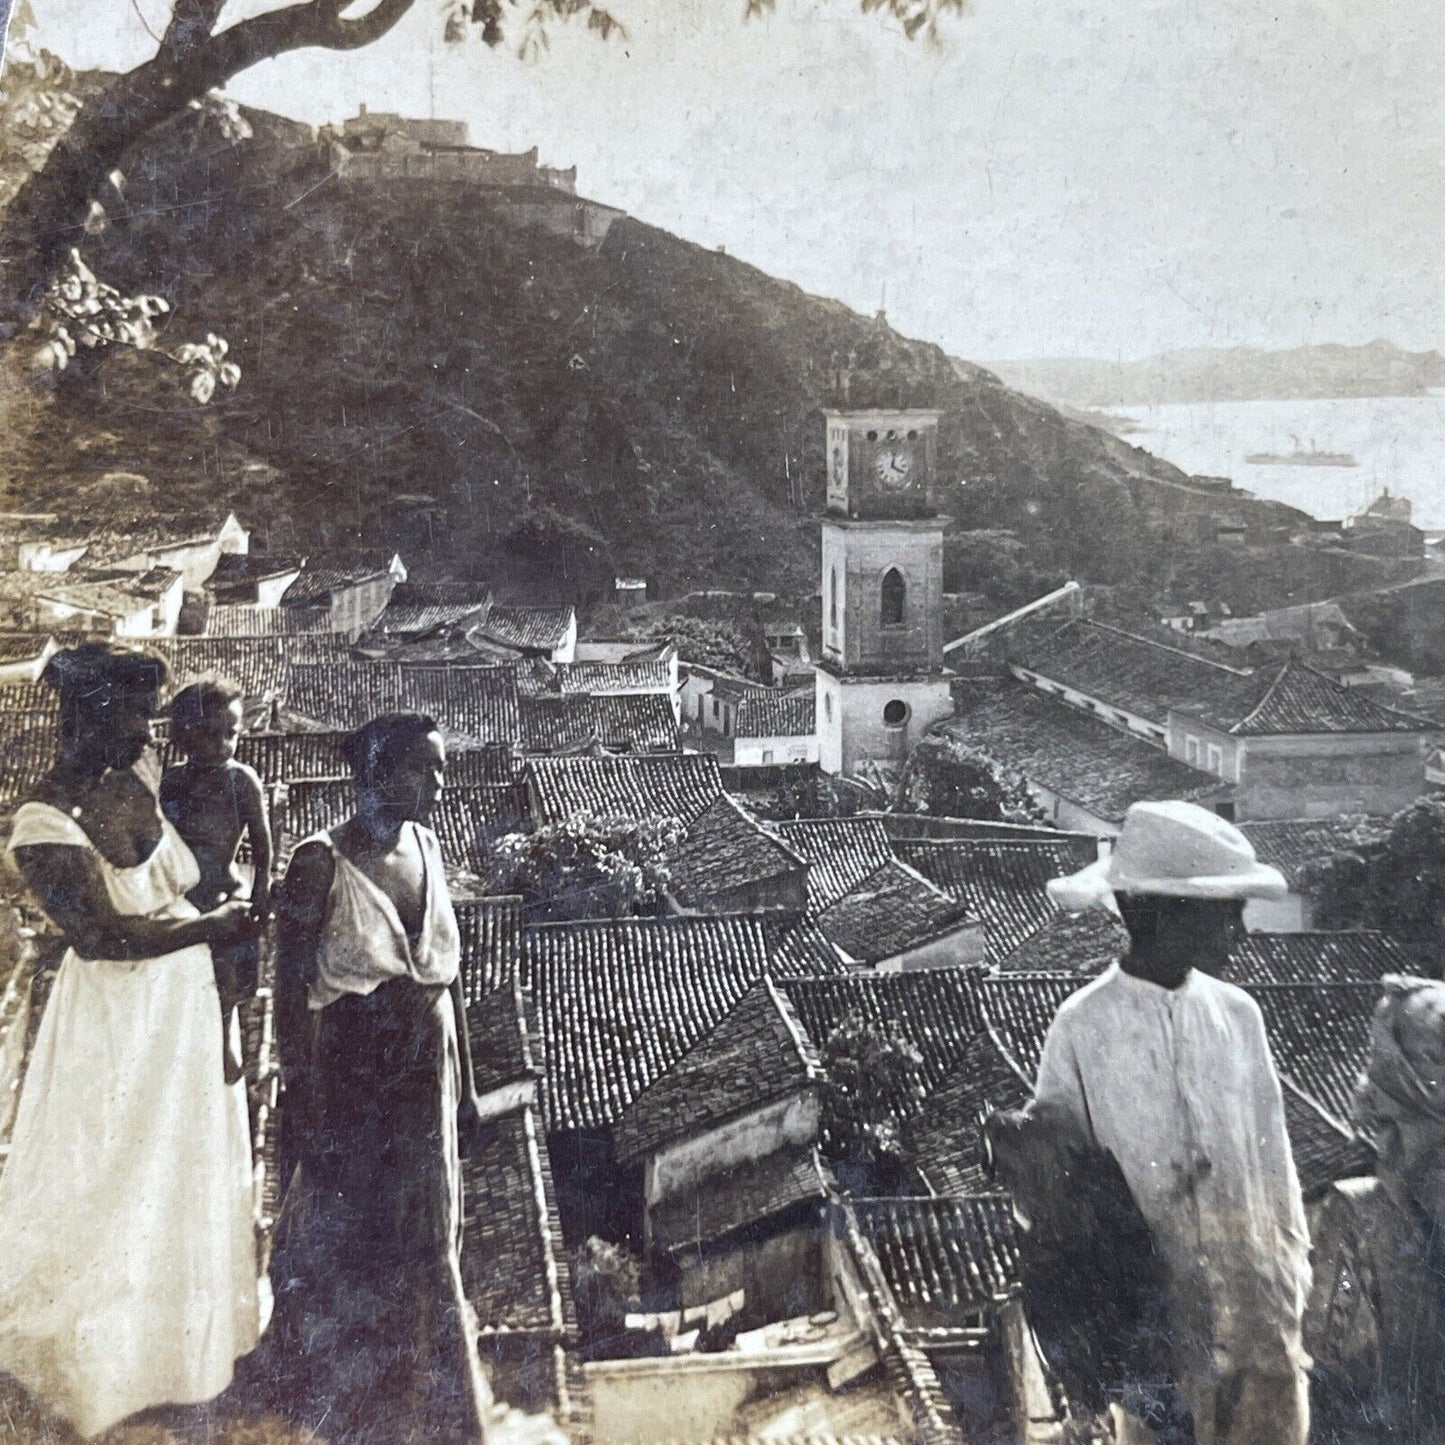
[{"x": 722, "y": 721}]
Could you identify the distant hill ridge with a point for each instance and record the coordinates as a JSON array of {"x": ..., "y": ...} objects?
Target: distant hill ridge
[
  {"x": 1377, "y": 368},
  {"x": 419, "y": 370}
]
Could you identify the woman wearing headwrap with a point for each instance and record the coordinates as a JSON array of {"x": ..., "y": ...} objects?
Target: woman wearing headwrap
[
  {"x": 1376, "y": 1323},
  {"x": 128, "y": 1270}
]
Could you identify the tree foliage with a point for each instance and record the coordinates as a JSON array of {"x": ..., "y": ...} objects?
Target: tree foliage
[
  {"x": 1390, "y": 877},
  {"x": 871, "y": 1088},
  {"x": 947, "y": 777},
  {"x": 587, "y": 867}
]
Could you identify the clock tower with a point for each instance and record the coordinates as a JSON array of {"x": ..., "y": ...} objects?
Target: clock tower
[{"x": 881, "y": 682}]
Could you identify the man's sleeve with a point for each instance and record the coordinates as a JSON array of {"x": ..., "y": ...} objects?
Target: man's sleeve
[
  {"x": 1277, "y": 1159},
  {"x": 1060, "y": 1083}
]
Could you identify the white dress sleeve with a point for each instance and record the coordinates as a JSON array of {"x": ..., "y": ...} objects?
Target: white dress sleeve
[
  {"x": 40, "y": 824},
  {"x": 1060, "y": 1083}
]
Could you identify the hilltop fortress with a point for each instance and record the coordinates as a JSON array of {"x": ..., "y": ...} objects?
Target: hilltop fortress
[{"x": 382, "y": 147}]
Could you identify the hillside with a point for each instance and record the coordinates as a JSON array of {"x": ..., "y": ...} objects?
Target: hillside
[
  {"x": 415, "y": 370},
  {"x": 1230, "y": 374}
]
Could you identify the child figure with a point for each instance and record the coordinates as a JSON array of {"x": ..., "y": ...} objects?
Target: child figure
[{"x": 212, "y": 801}]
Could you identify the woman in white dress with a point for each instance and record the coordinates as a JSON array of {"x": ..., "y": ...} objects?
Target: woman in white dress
[{"x": 128, "y": 1270}]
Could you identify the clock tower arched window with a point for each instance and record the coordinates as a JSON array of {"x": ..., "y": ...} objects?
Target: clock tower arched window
[
  {"x": 833, "y": 598},
  {"x": 891, "y": 598}
]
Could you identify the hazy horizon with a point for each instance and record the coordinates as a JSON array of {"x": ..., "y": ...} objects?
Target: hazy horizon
[{"x": 1075, "y": 179}]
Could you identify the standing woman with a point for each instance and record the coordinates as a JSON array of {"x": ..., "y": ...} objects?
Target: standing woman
[
  {"x": 128, "y": 1266},
  {"x": 374, "y": 1051}
]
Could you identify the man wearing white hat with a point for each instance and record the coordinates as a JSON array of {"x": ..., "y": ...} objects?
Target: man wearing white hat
[{"x": 1167, "y": 1067}]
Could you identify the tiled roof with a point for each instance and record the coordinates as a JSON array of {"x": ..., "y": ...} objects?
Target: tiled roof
[
  {"x": 1320, "y": 1037},
  {"x": 403, "y": 619},
  {"x": 944, "y": 1259},
  {"x": 323, "y": 575},
  {"x": 501, "y": 1049},
  {"x": 931, "y": 827},
  {"x": 620, "y": 1001},
  {"x": 1315, "y": 958},
  {"x": 746, "y": 1194},
  {"x": 1150, "y": 679},
  {"x": 466, "y": 819},
  {"x": 945, "y": 1136},
  {"x": 638, "y": 675},
  {"x": 767, "y": 716},
  {"x": 257, "y": 665},
  {"x": 642, "y": 722},
  {"x": 798, "y": 948},
  {"x": 1080, "y": 758},
  {"x": 479, "y": 703},
  {"x": 469, "y": 819},
  {"x": 1292, "y": 844},
  {"x": 23, "y": 646},
  {"x": 937, "y": 1011},
  {"x": 557, "y": 724},
  {"x": 491, "y": 931},
  {"x": 1078, "y": 943},
  {"x": 29, "y": 697},
  {"x": 238, "y": 567},
  {"x": 235, "y": 620},
  {"x": 632, "y": 722},
  {"x": 1139, "y": 675},
  {"x": 514, "y": 1262},
  {"x": 1004, "y": 884},
  {"x": 841, "y": 853},
  {"x": 757, "y": 1055},
  {"x": 1301, "y": 700},
  {"x": 27, "y": 753},
  {"x": 726, "y": 848},
  {"x": 1323, "y": 1150},
  {"x": 294, "y": 757},
  {"x": 891, "y": 911},
  {"x": 528, "y": 629},
  {"x": 678, "y": 785}
]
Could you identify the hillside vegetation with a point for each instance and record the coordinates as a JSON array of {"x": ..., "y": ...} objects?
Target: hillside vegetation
[{"x": 417, "y": 371}]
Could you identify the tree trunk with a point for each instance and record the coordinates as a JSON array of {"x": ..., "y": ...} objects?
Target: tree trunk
[{"x": 46, "y": 216}]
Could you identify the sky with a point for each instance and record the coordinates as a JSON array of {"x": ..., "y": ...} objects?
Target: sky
[{"x": 1102, "y": 178}]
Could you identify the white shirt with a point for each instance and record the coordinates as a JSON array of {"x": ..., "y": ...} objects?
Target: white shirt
[{"x": 1178, "y": 1084}]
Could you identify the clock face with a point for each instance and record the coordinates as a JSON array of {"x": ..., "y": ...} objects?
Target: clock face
[{"x": 894, "y": 467}]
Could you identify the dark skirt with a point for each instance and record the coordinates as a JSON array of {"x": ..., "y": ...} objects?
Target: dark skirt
[{"x": 372, "y": 1326}]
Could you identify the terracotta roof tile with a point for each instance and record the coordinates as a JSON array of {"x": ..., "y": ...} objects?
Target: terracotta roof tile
[
  {"x": 528, "y": 629},
  {"x": 479, "y": 703},
  {"x": 1295, "y": 958},
  {"x": 725, "y": 849},
  {"x": 800, "y": 949},
  {"x": 841, "y": 853},
  {"x": 937, "y": 1011},
  {"x": 514, "y": 1261},
  {"x": 1294, "y": 843},
  {"x": 944, "y": 1259},
  {"x": 1078, "y": 943},
  {"x": 894, "y": 909},
  {"x": 1080, "y": 758},
  {"x": 1139, "y": 675},
  {"x": 1004, "y": 884},
  {"x": 619, "y": 1002},
  {"x": 680, "y": 785},
  {"x": 235, "y": 620},
  {"x": 491, "y": 931},
  {"x": 260, "y": 666},
  {"x": 776, "y": 717},
  {"x": 27, "y": 753},
  {"x": 1301, "y": 700},
  {"x": 931, "y": 827},
  {"x": 757, "y": 1055},
  {"x": 323, "y": 575},
  {"x": 598, "y": 678},
  {"x": 501, "y": 1047}
]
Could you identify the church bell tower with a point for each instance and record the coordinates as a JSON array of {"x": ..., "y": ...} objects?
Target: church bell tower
[{"x": 881, "y": 682}]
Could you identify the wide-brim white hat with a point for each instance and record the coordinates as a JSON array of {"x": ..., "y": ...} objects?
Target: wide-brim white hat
[{"x": 1172, "y": 850}]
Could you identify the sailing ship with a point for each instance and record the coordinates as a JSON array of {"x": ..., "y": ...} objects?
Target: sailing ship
[{"x": 1301, "y": 457}]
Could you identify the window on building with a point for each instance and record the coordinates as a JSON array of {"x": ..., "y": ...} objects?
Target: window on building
[
  {"x": 891, "y": 598},
  {"x": 895, "y": 713},
  {"x": 833, "y": 598},
  {"x": 1216, "y": 760},
  {"x": 828, "y": 706},
  {"x": 1225, "y": 811},
  {"x": 767, "y": 755},
  {"x": 1191, "y": 751}
]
